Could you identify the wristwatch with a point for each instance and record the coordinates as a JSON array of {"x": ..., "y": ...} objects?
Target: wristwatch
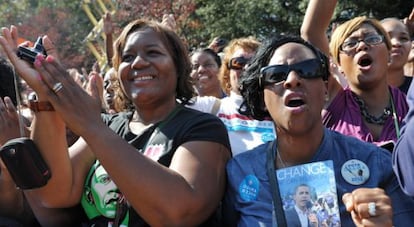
[{"x": 37, "y": 106}]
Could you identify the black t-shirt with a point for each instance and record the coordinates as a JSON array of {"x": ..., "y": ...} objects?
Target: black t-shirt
[
  {"x": 406, "y": 85},
  {"x": 160, "y": 142},
  {"x": 184, "y": 126}
]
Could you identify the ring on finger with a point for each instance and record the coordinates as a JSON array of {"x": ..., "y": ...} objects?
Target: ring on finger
[
  {"x": 372, "y": 209},
  {"x": 57, "y": 87}
]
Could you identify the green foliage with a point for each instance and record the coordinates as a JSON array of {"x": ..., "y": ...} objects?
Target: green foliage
[
  {"x": 380, "y": 8},
  {"x": 12, "y": 12},
  {"x": 238, "y": 18},
  {"x": 374, "y": 8},
  {"x": 63, "y": 21}
]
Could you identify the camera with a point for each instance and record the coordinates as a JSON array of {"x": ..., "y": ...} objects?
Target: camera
[
  {"x": 25, "y": 163},
  {"x": 29, "y": 53}
]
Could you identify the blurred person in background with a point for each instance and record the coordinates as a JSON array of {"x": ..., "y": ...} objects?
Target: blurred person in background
[
  {"x": 205, "y": 68},
  {"x": 400, "y": 49},
  {"x": 244, "y": 132},
  {"x": 111, "y": 84}
]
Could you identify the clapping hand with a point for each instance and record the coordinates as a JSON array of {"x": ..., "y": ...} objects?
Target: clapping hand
[
  {"x": 9, "y": 122},
  {"x": 8, "y": 40}
]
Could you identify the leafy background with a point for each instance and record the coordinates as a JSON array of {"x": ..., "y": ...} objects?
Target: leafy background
[{"x": 198, "y": 21}]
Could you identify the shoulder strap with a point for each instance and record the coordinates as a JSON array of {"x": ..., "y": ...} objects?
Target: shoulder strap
[
  {"x": 216, "y": 106},
  {"x": 274, "y": 187}
]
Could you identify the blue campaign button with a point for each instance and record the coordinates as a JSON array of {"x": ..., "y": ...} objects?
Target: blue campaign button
[{"x": 249, "y": 188}]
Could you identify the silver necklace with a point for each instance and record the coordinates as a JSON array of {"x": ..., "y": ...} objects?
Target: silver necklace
[
  {"x": 380, "y": 120},
  {"x": 280, "y": 158}
]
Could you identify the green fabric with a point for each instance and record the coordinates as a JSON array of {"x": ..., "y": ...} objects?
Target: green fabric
[{"x": 101, "y": 195}]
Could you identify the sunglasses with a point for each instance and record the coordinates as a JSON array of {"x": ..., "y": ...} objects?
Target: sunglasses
[
  {"x": 307, "y": 69},
  {"x": 237, "y": 63}
]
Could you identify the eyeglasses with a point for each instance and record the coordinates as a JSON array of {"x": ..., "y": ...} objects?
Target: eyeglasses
[
  {"x": 370, "y": 40},
  {"x": 307, "y": 69},
  {"x": 237, "y": 63}
]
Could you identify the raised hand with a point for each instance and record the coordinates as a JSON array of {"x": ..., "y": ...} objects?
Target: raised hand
[
  {"x": 108, "y": 27},
  {"x": 409, "y": 22},
  {"x": 8, "y": 41},
  {"x": 74, "y": 104},
  {"x": 96, "y": 83},
  {"x": 9, "y": 122},
  {"x": 169, "y": 21},
  {"x": 10, "y": 197}
]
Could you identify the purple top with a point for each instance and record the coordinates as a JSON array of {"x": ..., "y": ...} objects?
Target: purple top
[{"x": 343, "y": 115}]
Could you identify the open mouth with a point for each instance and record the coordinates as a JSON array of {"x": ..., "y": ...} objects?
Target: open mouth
[
  {"x": 295, "y": 102},
  {"x": 365, "y": 61}
]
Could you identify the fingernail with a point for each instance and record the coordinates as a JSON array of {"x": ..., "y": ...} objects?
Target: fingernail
[
  {"x": 49, "y": 59},
  {"x": 37, "y": 62},
  {"x": 40, "y": 57}
]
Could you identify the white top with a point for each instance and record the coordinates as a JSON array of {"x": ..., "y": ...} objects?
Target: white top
[
  {"x": 303, "y": 217},
  {"x": 244, "y": 132}
]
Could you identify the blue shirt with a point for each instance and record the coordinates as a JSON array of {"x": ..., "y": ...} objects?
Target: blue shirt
[
  {"x": 255, "y": 208},
  {"x": 403, "y": 155}
]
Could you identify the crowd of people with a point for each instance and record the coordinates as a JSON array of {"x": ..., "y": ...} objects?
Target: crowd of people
[{"x": 217, "y": 136}]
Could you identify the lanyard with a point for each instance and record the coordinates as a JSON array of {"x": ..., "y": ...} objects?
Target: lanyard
[
  {"x": 395, "y": 117},
  {"x": 274, "y": 187}
]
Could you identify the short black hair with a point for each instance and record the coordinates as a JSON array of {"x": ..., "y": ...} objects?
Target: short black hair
[
  {"x": 253, "y": 104},
  {"x": 7, "y": 80},
  {"x": 209, "y": 51}
]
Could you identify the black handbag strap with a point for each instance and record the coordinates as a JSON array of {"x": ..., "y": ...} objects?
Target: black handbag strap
[{"x": 274, "y": 186}]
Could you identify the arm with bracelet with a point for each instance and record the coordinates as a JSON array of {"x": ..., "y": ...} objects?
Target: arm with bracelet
[
  {"x": 14, "y": 206},
  {"x": 169, "y": 151},
  {"x": 48, "y": 130}
]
